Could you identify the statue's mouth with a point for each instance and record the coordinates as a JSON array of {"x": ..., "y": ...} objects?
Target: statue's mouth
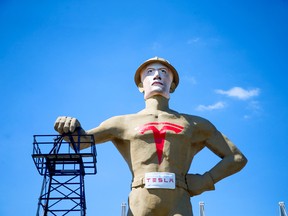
[{"x": 157, "y": 83}]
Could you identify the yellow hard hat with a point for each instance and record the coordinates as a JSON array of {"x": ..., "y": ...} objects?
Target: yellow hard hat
[{"x": 137, "y": 77}]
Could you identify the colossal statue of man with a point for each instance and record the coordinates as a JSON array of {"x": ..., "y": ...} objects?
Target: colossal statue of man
[{"x": 159, "y": 144}]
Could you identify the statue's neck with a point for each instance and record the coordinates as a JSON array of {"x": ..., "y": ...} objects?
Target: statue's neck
[{"x": 157, "y": 102}]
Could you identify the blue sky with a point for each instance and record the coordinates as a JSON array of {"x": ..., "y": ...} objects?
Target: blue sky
[{"x": 78, "y": 58}]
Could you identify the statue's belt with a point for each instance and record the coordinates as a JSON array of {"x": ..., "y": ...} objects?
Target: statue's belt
[{"x": 139, "y": 181}]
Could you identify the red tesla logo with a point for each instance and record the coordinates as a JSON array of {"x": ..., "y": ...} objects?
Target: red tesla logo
[{"x": 159, "y": 135}]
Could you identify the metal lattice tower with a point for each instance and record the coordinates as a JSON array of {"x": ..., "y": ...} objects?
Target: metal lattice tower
[
  {"x": 59, "y": 160},
  {"x": 201, "y": 208},
  {"x": 282, "y": 209}
]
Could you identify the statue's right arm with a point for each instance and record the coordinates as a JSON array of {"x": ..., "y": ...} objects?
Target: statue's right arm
[{"x": 106, "y": 131}]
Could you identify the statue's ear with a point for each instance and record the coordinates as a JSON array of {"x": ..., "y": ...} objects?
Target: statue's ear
[
  {"x": 172, "y": 87},
  {"x": 140, "y": 87}
]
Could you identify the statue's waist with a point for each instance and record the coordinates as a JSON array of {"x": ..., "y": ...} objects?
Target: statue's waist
[{"x": 139, "y": 181}]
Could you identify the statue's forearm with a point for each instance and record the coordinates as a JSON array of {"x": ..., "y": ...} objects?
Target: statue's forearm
[
  {"x": 85, "y": 139},
  {"x": 228, "y": 166}
]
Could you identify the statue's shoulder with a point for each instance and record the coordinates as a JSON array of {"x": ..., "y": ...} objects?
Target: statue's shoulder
[
  {"x": 120, "y": 119},
  {"x": 198, "y": 121}
]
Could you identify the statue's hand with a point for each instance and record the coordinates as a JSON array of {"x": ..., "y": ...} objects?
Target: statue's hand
[
  {"x": 64, "y": 124},
  {"x": 197, "y": 184}
]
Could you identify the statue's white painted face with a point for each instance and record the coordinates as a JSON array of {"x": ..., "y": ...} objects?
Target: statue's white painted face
[{"x": 156, "y": 79}]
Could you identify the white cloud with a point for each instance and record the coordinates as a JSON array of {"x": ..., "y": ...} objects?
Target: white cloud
[
  {"x": 254, "y": 108},
  {"x": 203, "y": 41},
  {"x": 190, "y": 80},
  {"x": 247, "y": 117},
  {"x": 218, "y": 105},
  {"x": 156, "y": 46},
  {"x": 254, "y": 105},
  {"x": 239, "y": 93},
  {"x": 193, "y": 40}
]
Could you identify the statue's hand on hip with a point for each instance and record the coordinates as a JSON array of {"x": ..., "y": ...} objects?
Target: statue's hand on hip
[{"x": 197, "y": 184}]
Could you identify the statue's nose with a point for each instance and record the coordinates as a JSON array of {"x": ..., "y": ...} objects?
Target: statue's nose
[{"x": 157, "y": 75}]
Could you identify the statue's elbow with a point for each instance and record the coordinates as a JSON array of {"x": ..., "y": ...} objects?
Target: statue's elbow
[{"x": 240, "y": 160}]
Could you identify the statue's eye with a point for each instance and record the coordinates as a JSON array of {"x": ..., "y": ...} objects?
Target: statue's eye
[
  {"x": 149, "y": 71},
  {"x": 163, "y": 71}
]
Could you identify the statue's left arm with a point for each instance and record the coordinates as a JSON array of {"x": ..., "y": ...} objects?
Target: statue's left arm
[
  {"x": 232, "y": 161},
  {"x": 232, "y": 158}
]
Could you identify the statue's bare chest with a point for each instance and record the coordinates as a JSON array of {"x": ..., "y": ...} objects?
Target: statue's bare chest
[{"x": 159, "y": 134}]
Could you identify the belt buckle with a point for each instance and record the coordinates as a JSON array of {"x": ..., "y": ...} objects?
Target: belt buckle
[{"x": 160, "y": 180}]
